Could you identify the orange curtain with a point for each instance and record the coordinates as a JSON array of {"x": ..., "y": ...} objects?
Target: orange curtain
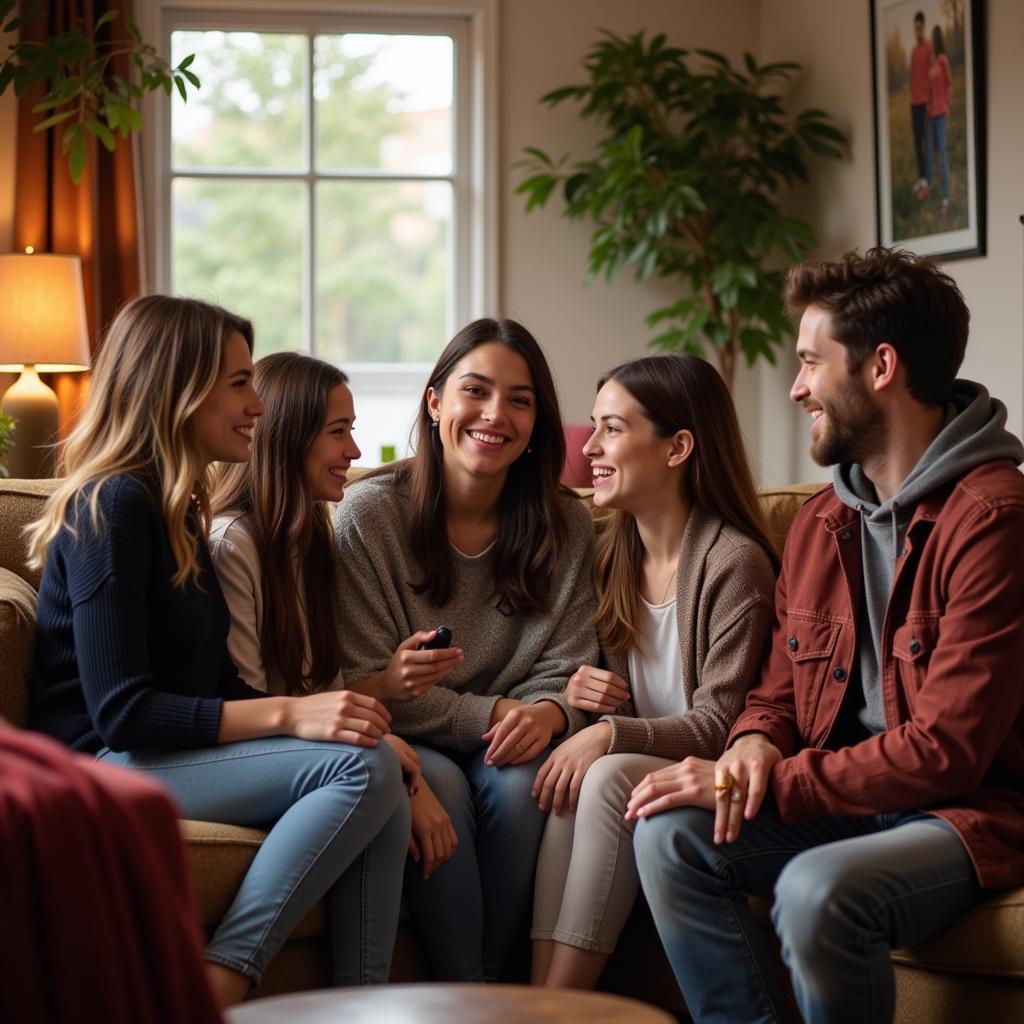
[{"x": 97, "y": 219}]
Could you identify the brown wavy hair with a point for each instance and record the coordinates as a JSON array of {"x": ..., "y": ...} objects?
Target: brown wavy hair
[
  {"x": 676, "y": 392},
  {"x": 291, "y": 531},
  {"x": 890, "y": 295},
  {"x": 532, "y": 529}
]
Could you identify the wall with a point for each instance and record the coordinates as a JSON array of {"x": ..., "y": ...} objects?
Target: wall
[
  {"x": 585, "y": 329},
  {"x": 832, "y": 40}
]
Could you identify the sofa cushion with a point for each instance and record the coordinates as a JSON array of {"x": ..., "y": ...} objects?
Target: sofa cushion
[
  {"x": 21, "y": 502},
  {"x": 17, "y": 637},
  {"x": 219, "y": 856},
  {"x": 987, "y": 940},
  {"x": 780, "y": 506}
]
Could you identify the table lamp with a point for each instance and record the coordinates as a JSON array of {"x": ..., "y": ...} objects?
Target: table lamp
[{"x": 42, "y": 330}]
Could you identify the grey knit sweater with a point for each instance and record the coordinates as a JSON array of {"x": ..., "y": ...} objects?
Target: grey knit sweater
[
  {"x": 724, "y": 606},
  {"x": 526, "y": 657}
]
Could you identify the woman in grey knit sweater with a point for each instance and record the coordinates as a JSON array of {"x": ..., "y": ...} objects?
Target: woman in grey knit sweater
[
  {"x": 685, "y": 577},
  {"x": 476, "y": 533}
]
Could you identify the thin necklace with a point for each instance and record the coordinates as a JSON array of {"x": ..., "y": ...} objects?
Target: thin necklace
[{"x": 671, "y": 580}]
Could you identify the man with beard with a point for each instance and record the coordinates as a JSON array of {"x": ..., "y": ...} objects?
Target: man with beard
[{"x": 874, "y": 784}]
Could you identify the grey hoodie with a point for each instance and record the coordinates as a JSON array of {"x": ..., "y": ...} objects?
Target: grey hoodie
[{"x": 975, "y": 432}]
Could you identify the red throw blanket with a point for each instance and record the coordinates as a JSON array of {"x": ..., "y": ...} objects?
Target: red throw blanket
[{"x": 97, "y": 919}]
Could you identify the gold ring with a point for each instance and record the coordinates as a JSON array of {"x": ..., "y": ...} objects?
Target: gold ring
[{"x": 724, "y": 786}]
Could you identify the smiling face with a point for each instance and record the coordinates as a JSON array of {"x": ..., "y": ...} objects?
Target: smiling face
[
  {"x": 222, "y": 425},
  {"x": 485, "y": 412},
  {"x": 846, "y": 424},
  {"x": 325, "y": 465},
  {"x": 631, "y": 465}
]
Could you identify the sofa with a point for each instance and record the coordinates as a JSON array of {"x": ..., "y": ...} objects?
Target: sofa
[{"x": 973, "y": 971}]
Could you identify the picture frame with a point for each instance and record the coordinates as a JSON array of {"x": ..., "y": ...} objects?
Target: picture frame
[{"x": 929, "y": 115}]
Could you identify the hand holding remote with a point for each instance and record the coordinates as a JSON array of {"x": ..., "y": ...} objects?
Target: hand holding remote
[{"x": 417, "y": 665}]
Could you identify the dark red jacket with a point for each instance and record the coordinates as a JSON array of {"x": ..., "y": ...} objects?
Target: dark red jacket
[{"x": 952, "y": 668}]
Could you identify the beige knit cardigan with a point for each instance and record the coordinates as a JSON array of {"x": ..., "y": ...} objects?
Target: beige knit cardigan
[{"x": 724, "y": 610}]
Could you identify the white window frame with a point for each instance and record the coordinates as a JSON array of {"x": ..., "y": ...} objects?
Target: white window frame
[{"x": 474, "y": 25}]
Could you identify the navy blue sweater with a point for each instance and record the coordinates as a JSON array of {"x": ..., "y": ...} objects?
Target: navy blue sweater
[{"x": 124, "y": 658}]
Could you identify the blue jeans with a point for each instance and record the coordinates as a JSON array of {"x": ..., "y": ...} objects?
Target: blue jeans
[
  {"x": 469, "y": 911},
  {"x": 846, "y": 890},
  {"x": 937, "y": 142},
  {"x": 339, "y": 826}
]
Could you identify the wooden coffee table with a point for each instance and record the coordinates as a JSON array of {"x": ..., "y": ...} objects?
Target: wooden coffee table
[{"x": 442, "y": 1004}]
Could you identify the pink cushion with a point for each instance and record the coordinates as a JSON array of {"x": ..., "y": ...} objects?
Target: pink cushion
[{"x": 576, "y": 472}]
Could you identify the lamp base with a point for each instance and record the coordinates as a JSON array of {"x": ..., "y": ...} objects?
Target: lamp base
[{"x": 34, "y": 408}]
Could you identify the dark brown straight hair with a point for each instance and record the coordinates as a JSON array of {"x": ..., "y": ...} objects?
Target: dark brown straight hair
[
  {"x": 290, "y": 530},
  {"x": 676, "y": 392},
  {"x": 532, "y": 529}
]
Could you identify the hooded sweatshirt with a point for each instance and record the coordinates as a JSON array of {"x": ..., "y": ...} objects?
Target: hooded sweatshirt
[{"x": 974, "y": 433}]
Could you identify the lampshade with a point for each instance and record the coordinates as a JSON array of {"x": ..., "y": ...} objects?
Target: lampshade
[{"x": 42, "y": 313}]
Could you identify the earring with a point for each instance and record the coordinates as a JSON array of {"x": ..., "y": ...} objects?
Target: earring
[
  {"x": 433, "y": 424},
  {"x": 529, "y": 449}
]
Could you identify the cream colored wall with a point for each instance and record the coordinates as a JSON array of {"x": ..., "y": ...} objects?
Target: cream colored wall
[
  {"x": 585, "y": 329},
  {"x": 831, "y": 38}
]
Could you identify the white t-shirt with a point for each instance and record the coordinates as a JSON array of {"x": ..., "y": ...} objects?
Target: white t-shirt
[{"x": 655, "y": 665}]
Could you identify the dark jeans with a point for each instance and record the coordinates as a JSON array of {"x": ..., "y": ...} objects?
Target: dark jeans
[
  {"x": 919, "y": 115},
  {"x": 847, "y": 890},
  {"x": 469, "y": 911}
]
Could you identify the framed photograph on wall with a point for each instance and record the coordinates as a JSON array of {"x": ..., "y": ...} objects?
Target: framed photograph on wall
[{"x": 928, "y": 73}]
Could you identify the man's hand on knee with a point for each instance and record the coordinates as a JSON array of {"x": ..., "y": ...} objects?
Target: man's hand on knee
[{"x": 742, "y": 775}]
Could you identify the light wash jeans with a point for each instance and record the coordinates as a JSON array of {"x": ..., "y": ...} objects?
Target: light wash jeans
[
  {"x": 847, "y": 890},
  {"x": 338, "y": 817},
  {"x": 469, "y": 911}
]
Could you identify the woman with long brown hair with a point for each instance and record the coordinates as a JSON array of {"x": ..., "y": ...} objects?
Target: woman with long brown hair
[
  {"x": 685, "y": 576},
  {"x": 274, "y": 555},
  {"x": 476, "y": 532}
]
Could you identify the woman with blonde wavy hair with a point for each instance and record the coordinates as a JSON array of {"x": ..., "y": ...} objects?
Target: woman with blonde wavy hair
[{"x": 132, "y": 663}]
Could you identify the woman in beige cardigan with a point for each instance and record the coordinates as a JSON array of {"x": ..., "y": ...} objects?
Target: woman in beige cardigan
[{"x": 685, "y": 577}]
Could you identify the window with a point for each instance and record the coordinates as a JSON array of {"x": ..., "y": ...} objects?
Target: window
[{"x": 323, "y": 182}]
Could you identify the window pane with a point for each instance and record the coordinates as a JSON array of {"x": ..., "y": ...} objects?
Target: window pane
[
  {"x": 383, "y": 103},
  {"x": 383, "y": 270},
  {"x": 251, "y": 107},
  {"x": 239, "y": 243}
]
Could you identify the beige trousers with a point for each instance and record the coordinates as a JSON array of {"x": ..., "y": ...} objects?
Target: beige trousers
[{"x": 586, "y": 874}]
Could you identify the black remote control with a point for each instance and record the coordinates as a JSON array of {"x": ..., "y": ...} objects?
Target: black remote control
[{"x": 442, "y": 640}]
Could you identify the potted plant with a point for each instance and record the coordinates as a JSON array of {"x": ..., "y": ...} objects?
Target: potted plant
[
  {"x": 684, "y": 184},
  {"x": 85, "y": 94}
]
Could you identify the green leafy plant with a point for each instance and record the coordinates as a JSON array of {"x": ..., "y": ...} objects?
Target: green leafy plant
[
  {"x": 84, "y": 95},
  {"x": 6, "y": 440},
  {"x": 683, "y": 185}
]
